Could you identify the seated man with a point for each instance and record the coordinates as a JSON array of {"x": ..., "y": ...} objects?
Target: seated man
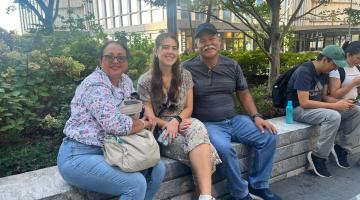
[
  {"x": 216, "y": 78},
  {"x": 308, "y": 89}
]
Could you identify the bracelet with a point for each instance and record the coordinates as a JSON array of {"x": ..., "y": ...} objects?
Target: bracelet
[
  {"x": 178, "y": 118},
  {"x": 255, "y": 115},
  {"x": 144, "y": 123}
]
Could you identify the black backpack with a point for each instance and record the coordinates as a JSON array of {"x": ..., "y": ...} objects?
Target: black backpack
[
  {"x": 279, "y": 88},
  {"x": 342, "y": 72}
]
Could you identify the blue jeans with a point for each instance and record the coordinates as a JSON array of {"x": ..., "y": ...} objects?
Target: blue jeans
[
  {"x": 84, "y": 166},
  {"x": 241, "y": 129}
]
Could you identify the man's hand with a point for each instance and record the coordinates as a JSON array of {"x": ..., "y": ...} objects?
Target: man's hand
[
  {"x": 263, "y": 124},
  {"x": 345, "y": 104}
]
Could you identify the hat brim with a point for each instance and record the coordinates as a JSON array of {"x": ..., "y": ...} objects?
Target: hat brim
[
  {"x": 341, "y": 63},
  {"x": 197, "y": 35}
]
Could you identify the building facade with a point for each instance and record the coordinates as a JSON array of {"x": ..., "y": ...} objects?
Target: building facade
[
  {"x": 29, "y": 20},
  {"x": 138, "y": 16},
  {"x": 313, "y": 32}
]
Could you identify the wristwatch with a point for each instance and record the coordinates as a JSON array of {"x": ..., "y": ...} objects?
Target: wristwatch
[
  {"x": 178, "y": 118},
  {"x": 255, "y": 115}
]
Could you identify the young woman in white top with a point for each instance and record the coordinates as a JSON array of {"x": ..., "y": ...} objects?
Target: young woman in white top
[{"x": 349, "y": 87}]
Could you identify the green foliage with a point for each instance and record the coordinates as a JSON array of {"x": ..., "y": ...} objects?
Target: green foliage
[
  {"x": 23, "y": 158},
  {"x": 353, "y": 15},
  {"x": 290, "y": 59}
]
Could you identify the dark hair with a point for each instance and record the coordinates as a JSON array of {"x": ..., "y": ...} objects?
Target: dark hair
[
  {"x": 107, "y": 43},
  {"x": 321, "y": 56},
  {"x": 351, "y": 48},
  {"x": 157, "y": 93}
]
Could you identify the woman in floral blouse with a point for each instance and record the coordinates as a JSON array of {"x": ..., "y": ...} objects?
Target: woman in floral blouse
[
  {"x": 167, "y": 93},
  {"x": 94, "y": 113}
]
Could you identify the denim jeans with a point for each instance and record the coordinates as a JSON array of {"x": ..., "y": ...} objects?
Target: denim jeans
[
  {"x": 332, "y": 122},
  {"x": 242, "y": 129},
  {"x": 84, "y": 166}
]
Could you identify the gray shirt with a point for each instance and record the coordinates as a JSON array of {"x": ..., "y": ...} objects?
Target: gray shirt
[{"x": 214, "y": 89}]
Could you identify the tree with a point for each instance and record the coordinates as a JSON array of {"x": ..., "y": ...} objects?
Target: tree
[
  {"x": 265, "y": 30},
  {"x": 50, "y": 8}
]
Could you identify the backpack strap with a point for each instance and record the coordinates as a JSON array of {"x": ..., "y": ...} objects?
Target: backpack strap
[
  {"x": 342, "y": 73},
  {"x": 358, "y": 67}
]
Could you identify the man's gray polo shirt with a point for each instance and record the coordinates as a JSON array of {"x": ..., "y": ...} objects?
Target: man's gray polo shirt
[{"x": 214, "y": 89}]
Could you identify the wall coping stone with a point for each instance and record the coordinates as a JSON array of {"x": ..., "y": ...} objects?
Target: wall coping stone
[{"x": 47, "y": 183}]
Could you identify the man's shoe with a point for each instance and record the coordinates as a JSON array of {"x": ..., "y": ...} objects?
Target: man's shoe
[
  {"x": 340, "y": 155},
  {"x": 318, "y": 165},
  {"x": 264, "y": 193},
  {"x": 248, "y": 197}
]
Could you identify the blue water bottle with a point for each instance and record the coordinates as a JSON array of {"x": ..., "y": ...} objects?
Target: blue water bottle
[{"x": 289, "y": 118}]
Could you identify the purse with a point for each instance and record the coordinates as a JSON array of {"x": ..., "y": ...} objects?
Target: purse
[{"x": 134, "y": 152}]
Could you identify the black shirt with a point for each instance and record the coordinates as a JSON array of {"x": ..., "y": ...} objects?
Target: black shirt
[{"x": 305, "y": 78}]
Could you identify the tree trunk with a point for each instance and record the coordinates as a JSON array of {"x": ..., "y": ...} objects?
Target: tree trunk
[
  {"x": 208, "y": 11},
  {"x": 275, "y": 43}
]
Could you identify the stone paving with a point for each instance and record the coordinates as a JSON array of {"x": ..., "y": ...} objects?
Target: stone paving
[{"x": 343, "y": 185}]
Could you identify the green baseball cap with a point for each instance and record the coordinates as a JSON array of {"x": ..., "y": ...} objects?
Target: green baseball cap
[{"x": 337, "y": 55}]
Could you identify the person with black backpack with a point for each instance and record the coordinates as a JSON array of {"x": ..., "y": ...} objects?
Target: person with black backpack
[
  {"x": 308, "y": 89},
  {"x": 343, "y": 82}
]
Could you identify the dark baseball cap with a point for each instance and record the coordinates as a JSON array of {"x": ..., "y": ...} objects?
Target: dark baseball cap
[
  {"x": 205, "y": 27},
  {"x": 336, "y": 53}
]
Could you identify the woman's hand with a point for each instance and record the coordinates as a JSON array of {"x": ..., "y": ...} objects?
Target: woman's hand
[
  {"x": 150, "y": 117},
  {"x": 184, "y": 125},
  {"x": 172, "y": 128}
]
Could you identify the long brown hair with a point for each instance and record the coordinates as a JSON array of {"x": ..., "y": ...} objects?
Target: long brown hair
[{"x": 157, "y": 93}]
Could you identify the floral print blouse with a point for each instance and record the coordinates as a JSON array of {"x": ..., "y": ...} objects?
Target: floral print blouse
[{"x": 95, "y": 109}]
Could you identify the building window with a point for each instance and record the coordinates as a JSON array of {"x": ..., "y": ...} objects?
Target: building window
[
  {"x": 134, "y": 5},
  {"x": 227, "y": 15},
  {"x": 157, "y": 15},
  {"x": 101, "y": 13},
  {"x": 135, "y": 19},
  {"x": 109, "y": 14},
  {"x": 145, "y": 17},
  {"x": 125, "y": 20},
  {"x": 125, "y": 6}
]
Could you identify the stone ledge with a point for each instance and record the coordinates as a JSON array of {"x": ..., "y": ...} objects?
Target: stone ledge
[{"x": 295, "y": 141}]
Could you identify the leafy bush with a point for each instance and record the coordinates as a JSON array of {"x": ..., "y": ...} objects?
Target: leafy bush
[{"x": 28, "y": 157}]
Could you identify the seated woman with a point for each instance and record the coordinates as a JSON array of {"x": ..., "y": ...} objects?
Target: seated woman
[
  {"x": 94, "y": 113},
  {"x": 167, "y": 93},
  {"x": 348, "y": 87}
]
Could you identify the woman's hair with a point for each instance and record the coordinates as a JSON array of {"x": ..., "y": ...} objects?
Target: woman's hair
[
  {"x": 107, "y": 43},
  {"x": 352, "y": 48},
  {"x": 156, "y": 80}
]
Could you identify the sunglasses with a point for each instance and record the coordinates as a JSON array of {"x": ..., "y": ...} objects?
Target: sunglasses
[{"x": 112, "y": 58}]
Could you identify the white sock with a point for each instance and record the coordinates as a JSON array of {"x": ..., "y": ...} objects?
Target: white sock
[{"x": 205, "y": 197}]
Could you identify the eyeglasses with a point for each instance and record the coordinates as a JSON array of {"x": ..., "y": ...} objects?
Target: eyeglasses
[{"x": 112, "y": 58}]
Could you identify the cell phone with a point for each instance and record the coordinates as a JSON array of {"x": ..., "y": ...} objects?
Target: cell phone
[
  {"x": 161, "y": 138},
  {"x": 130, "y": 102}
]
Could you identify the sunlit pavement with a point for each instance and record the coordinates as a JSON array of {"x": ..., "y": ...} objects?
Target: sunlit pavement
[{"x": 343, "y": 185}]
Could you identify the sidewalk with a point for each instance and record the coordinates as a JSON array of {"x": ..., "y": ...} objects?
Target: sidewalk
[{"x": 343, "y": 185}]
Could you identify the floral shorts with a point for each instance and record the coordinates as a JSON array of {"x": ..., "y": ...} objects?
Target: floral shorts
[{"x": 184, "y": 143}]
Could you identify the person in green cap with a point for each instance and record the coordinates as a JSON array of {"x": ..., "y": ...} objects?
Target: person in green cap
[{"x": 308, "y": 89}]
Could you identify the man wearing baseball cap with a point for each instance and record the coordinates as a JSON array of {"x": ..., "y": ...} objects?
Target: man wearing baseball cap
[
  {"x": 308, "y": 89},
  {"x": 216, "y": 79}
]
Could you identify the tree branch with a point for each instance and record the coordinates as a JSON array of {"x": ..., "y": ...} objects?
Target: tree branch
[
  {"x": 261, "y": 21},
  {"x": 33, "y": 9},
  {"x": 243, "y": 19},
  {"x": 56, "y": 9}
]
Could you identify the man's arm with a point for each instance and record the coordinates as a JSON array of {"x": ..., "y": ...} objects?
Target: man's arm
[
  {"x": 331, "y": 103},
  {"x": 246, "y": 100}
]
